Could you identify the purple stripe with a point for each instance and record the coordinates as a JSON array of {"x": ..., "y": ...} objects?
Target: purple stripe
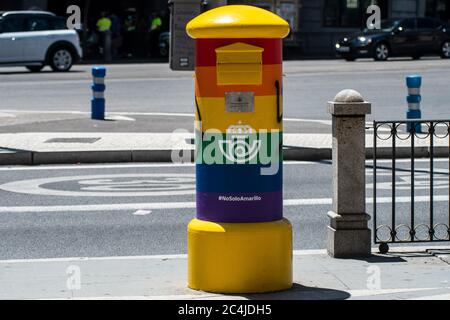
[{"x": 240, "y": 207}]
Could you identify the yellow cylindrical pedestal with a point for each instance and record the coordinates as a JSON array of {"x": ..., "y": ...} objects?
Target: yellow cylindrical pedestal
[{"x": 240, "y": 257}]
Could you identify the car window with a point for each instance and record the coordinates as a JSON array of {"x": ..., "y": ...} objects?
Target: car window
[
  {"x": 38, "y": 24},
  {"x": 12, "y": 24},
  {"x": 426, "y": 24},
  {"x": 59, "y": 23},
  {"x": 408, "y": 24}
]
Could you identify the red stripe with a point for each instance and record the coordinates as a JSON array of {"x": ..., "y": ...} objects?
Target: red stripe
[{"x": 206, "y": 54}]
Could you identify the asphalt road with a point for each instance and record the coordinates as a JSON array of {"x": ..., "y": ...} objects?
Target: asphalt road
[
  {"x": 308, "y": 85},
  {"x": 143, "y": 209}
]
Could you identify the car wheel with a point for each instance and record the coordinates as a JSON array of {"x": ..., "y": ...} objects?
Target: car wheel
[
  {"x": 35, "y": 68},
  {"x": 381, "y": 52},
  {"x": 445, "y": 50},
  {"x": 61, "y": 60},
  {"x": 416, "y": 57}
]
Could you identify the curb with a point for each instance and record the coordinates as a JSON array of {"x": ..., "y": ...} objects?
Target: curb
[
  {"x": 8, "y": 157},
  {"x": 15, "y": 157}
]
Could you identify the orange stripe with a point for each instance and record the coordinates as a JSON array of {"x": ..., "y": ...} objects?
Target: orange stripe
[{"x": 206, "y": 82}]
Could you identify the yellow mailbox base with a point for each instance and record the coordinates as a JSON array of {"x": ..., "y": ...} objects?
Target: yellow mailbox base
[{"x": 239, "y": 257}]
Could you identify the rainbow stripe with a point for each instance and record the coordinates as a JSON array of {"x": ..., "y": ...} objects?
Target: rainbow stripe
[{"x": 239, "y": 191}]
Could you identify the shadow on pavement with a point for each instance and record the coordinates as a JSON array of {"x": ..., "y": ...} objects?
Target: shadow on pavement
[
  {"x": 393, "y": 257},
  {"x": 301, "y": 292}
]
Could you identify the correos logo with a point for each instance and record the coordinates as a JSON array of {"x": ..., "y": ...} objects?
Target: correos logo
[
  {"x": 240, "y": 144},
  {"x": 238, "y": 147}
]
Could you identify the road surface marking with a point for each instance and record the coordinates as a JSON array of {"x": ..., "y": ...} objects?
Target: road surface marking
[
  {"x": 6, "y": 115},
  {"x": 369, "y": 293},
  {"x": 305, "y": 293},
  {"x": 436, "y": 297},
  {"x": 121, "y": 115},
  {"x": 142, "y": 212},
  {"x": 122, "y": 166},
  {"x": 112, "y": 185},
  {"x": 119, "y": 118},
  {"x": 189, "y": 205},
  {"x": 63, "y": 82},
  {"x": 408, "y": 249},
  {"x": 177, "y": 165},
  {"x": 101, "y": 166}
]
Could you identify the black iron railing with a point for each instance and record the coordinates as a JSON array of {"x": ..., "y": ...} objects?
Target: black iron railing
[{"x": 425, "y": 139}]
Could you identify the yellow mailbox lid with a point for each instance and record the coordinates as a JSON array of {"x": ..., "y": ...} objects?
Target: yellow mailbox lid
[{"x": 237, "y": 21}]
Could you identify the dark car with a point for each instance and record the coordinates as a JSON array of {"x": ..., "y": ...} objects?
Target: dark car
[{"x": 413, "y": 37}]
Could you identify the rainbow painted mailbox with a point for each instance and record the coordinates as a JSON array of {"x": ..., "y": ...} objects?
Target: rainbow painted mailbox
[{"x": 239, "y": 242}]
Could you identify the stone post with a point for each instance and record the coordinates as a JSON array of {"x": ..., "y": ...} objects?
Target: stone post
[{"x": 348, "y": 232}]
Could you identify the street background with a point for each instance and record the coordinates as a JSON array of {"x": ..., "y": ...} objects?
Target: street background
[
  {"x": 138, "y": 91},
  {"x": 87, "y": 210},
  {"x": 130, "y": 219}
]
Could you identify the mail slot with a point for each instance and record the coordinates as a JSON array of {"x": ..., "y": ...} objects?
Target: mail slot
[{"x": 239, "y": 63}]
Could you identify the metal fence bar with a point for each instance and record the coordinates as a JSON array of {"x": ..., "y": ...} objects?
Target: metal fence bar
[
  {"x": 434, "y": 134},
  {"x": 394, "y": 174},
  {"x": 375, "y": 132},
  {"x": 431, "y": 132},
  {"x": 412, "y": 230}
]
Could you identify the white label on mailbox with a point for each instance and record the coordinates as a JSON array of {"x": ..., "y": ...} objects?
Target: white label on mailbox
[{"x": 240, "y": 101}]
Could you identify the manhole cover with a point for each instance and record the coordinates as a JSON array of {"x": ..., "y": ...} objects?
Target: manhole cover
[{"x": 72, "y": 140}]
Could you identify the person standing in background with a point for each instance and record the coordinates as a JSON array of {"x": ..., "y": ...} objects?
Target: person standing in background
[
  {"x": 155, "y": 30},
  {"x": 129, "y": 33},
  {"x": 103, "y": 26},
  {"x": 116, "y": 34}
]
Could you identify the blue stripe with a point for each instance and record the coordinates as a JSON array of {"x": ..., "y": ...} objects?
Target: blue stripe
[
  {"x": 98, "y": 87},
  {"x": 99, "y": 72},
  {"x": 414, "y": 114},
  {"x": 414, "y": 81},
  {"x": 237, "y": 178},
  {"x": 98, "y": 109},
  {"x": 414, "y": 99}
]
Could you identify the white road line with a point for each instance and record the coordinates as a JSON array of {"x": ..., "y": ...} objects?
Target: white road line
[
  {"x": 142, "y": 212},
  {"x": 158, "y": 165},
  {"x": 87, "y": 81},
  {"x": 119, "y": 166},
  {"x": 101, "y": 207},
  {"x": 119, "y": 118},
  {"x": 436, "y": 297},
  {"x": 84, "y": 259},
  {"x": 410, "y": 249},
  {"x": 6, "y": 115},
  {"x": 167, "y": 297},
  {"x": 168, "y": 114},
  {"x": 352, "y": 293},
  {"x": 175, "y": 114},
  {"x": 369, "y": 293},
  {"x": 190, "y": 205},
  {"x": 102, "y": 166}
]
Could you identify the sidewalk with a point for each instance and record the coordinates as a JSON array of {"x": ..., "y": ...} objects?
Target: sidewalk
[
  {"x": 69, "y": 138},
  {"x": 72, "y": 147},
  {"x": 420, "y": 275}
]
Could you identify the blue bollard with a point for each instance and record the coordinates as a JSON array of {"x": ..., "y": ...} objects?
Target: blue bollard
[
  {"x": 98, "y": 90},
  {"x": 414, "y": 99}
]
